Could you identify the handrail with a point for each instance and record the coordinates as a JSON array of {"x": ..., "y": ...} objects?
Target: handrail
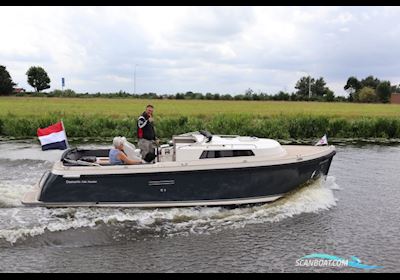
[{"x": 81, "y": 162}]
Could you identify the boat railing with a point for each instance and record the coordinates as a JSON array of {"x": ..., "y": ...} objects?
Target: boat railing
[{"x": 82, "y": 162}]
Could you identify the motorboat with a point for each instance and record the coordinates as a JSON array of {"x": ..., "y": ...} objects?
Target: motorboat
[{"x": 194, "y": 169}]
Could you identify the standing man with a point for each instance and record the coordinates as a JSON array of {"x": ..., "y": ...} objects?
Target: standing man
[{"x": 145, "y": 132}]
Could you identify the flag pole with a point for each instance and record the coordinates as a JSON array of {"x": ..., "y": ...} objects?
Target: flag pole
[{"x": 66, "y": 138}]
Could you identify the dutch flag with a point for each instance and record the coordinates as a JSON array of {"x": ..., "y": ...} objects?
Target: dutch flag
[{"x": 53, "y": 137}]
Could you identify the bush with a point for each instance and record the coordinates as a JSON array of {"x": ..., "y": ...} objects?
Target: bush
[
  {"x": 386, "y": 128},
  {"x": 307, "y": 126},
  {"x": 20, "y": 127},
  {"x": 362, "y": 128},
  {"x": 329, "y": 96},
  {"x": 277, "y": 127},
  {"x": 367, "y": 95},
  {"x": 384, "y": 91},
  {"x": 339, "y": 128},
  {"x": 1, "y": 127}
]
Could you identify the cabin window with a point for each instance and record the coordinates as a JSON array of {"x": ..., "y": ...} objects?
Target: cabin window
[{"x": 226, "y": 153}]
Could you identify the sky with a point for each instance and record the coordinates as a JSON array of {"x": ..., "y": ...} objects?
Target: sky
[{"x": 224, "y": 50}]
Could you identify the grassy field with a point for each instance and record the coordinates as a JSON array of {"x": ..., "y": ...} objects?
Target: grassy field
[
  {"x": 25, "y": 106},
  {"x": 20, "y": 117}
]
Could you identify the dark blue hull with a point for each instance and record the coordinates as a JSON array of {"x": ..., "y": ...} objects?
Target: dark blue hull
[{"x": 228, "y": 186}]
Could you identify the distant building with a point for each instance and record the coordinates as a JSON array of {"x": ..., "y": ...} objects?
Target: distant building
[
  {"x": 395, "y": 98},
  {"x": 18, "y": 90}
]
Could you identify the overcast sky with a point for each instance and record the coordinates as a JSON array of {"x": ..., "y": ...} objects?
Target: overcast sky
[{"x": 200, "y": 49}]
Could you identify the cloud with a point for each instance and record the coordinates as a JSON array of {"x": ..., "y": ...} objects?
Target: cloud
[{"x": 204, "y": 49}]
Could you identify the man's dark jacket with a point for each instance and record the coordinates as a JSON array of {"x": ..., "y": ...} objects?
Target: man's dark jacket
[{"x": 145, "y": 128}]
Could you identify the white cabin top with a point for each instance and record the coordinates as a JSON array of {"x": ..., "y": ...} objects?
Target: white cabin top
[{"x": 196, "y": 145}]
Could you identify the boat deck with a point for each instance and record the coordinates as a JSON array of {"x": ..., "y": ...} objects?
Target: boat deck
[{"x": 292, "y": 152}]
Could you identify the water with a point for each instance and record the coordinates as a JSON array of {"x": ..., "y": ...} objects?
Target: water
[{"x": 353, "y": 213}]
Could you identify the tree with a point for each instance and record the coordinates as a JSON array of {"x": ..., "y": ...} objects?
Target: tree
[
  {"x": 303, "y": 85},
  {"x": 179, "y": 96},
  {"x": 352, "y": 86},
  {"x": 282, "y": 95},
  {"x": 329, "y": 96},
  {"x": 6, "y": 83},
  {"x": 319, "y": 87},
  {"x": 384, "y": 91},
  {"x": 198, "y": 95},
  {"x": 209, "y": 96},
  {"x": 38, "y": 78},
  {"x": 367, "y": 95},
  {"x": 189, "y": 95},
  {"x": 371, "y": 82},
  {"x": 248, "y": 95}
]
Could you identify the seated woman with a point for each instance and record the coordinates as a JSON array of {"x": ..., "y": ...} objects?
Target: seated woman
[{"x": 117, "y": 155}]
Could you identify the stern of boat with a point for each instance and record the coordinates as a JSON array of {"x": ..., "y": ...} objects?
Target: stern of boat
[{"x": 31, "y": 198}]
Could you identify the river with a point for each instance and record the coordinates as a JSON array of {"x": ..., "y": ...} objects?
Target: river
[{"x": 354, "y": 212}]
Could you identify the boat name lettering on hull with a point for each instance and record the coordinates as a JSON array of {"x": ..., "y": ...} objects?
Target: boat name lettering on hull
[{"x": 81, "y": 181}]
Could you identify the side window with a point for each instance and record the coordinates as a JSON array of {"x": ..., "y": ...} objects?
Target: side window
[
  {"x": 211, "y": 154},
  {"x": 241, "y": 153},
  {"x": 226, "y": 153},
  {"x": 207, "y": 154}
]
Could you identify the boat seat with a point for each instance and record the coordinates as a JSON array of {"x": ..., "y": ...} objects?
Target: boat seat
[
  {"x": 103, "y": 161},
  {"x": 78, "y": 157},
  {"x": 88, "y": 158}
]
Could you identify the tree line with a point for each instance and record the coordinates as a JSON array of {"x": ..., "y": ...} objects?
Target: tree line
[
  {"x": 37, "y": 78},
  {"x": 369, "y": 89}
]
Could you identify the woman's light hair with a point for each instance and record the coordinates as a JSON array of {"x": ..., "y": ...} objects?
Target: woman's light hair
[{"x": 118, "y": 141}]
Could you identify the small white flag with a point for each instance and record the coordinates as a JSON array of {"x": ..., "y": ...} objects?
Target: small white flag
[{"x": 322, "y": 141}]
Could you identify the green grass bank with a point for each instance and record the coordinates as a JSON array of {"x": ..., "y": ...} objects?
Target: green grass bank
[
  {"x": 99, "y": 117},
  {"x": 278, "y": 127}
]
